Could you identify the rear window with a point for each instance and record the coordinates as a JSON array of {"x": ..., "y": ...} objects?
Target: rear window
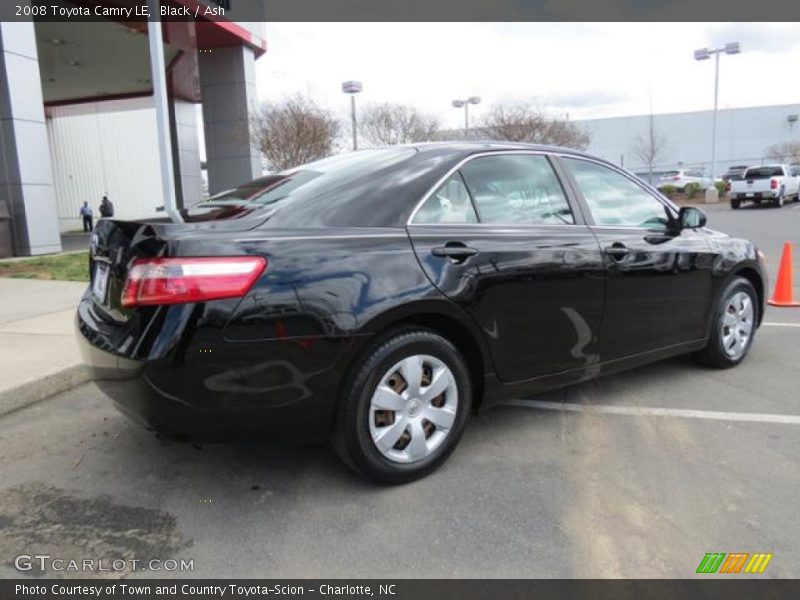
[
  {"x": 315, "y": 177},
  {"x": 763, "y": 172}
]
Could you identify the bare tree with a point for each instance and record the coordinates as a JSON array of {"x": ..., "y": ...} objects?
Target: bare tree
[
  {"x": 650, "y": 147},
  {"x": 389, "y": 123},
  {"x": 294, "y": 131},
  {"x": 785, "y": 152},
  {"x": 522, "y": 123}
]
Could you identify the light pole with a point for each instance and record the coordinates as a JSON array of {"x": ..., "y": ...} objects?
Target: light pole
[
  {"x": 353, "y": 88},
  {"x": 712, "y": 194},
  {"x": 465, "y": 103}
]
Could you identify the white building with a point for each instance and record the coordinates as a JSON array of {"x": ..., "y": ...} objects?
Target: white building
[
  {"x": 77, "y": 116},
  {"x": 744, "y": 136}
]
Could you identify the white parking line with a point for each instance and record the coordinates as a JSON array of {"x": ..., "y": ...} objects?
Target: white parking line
[
  {"x": 782, "y": 324},
  {"x": 640, "y": 411}
]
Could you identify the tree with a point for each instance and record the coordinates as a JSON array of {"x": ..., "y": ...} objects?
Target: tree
[
  {"x": 389, "y": 123},
  {"x": 294, "y": 131},
  {"x": 788, "y": 152},
  {"x": 522, "y": 123},
  {"x": 650, "y": 147}
]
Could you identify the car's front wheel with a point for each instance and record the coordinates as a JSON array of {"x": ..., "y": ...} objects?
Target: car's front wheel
[
  {"x": 403, "y": 409},
  {"x": 733, "y": 325}
]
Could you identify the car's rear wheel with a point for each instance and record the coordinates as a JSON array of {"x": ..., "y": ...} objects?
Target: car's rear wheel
[
  {"x": 778, "y": 201},
  {"x": 404, "y": 408},
  {"x": 733, "y": 327},
  {"x": 735, "y": 203}
]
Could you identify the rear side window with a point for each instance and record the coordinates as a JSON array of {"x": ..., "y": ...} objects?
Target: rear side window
[
  {"x": 615, "y": 200},
  {"x": 311, "y": 179},
  {"x": 763, "y": 172},
  {"x": 516, "y": 189},
  {"x": 450, "y": 203}
]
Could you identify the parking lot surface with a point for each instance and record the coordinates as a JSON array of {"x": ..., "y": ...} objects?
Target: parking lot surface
[{"x": 607, "y": 488}]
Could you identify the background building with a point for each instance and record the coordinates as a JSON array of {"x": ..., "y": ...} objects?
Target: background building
[
  {"x": 744, "y": 136},
  {"x": 77, "y": 118}
]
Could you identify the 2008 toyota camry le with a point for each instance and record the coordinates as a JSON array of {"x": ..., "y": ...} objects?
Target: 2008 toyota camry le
[{"x": 378, "y": 298}]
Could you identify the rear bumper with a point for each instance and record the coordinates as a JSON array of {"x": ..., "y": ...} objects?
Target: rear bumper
[
  {"x": 753, "y": 195},
  {"x": 278, "y": 388}
]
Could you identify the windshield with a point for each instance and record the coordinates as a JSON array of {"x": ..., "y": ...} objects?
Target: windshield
[{"x": 313, "y": 177}]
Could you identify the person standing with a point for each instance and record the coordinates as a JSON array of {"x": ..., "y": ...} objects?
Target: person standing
[
  {"x": 86, "y": 213},
  {"x": 106, "y": 208}
]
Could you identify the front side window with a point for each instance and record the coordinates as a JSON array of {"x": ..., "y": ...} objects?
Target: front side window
[
  {"x": 450, "y": 203},
  {"x": 615, "y": 200},
  {"x": 516, "y": 189}
]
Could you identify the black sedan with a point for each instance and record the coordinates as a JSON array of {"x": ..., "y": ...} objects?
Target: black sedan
[{"x": 379, "y": 298}]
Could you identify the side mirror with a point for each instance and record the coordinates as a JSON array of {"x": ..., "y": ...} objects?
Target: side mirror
[{"x": 690, "y": 217}]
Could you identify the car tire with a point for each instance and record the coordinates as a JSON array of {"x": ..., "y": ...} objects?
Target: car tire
[
  {"x": 735, "y": 203},
  {"x": 725, "y": 347},
  {"x": 398, "y": 411},
  {"x": 778, "y": 201}
]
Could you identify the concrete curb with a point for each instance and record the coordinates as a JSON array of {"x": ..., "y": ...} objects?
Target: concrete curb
[{"x": 32, "y": 392}]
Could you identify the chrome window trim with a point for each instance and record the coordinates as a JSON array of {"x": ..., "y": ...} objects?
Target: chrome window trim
[
  {"x": 578, "y": 231},
  {"x": 629, "y": 228},
  {"x": 429, "y": 193},
  {"x": 499, "y": 225}
]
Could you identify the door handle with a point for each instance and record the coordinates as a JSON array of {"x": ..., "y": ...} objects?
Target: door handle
[
  {"x": 616, "y": 250},
  {"x": 457, "y": 252}
]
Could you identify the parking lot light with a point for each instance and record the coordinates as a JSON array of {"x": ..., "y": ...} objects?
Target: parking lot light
[
  {"x": 465, "y": 104},
  {"x": 352, "y": 88},
  {"x": 712, "y": 194},
  {"x": 732, "y": 48}
]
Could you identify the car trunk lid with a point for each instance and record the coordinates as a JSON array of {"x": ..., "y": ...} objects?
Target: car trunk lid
[{"x": 116, "y": 244}]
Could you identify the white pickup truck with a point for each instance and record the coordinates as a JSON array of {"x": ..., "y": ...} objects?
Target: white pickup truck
[{"x": 770, "y": 183}]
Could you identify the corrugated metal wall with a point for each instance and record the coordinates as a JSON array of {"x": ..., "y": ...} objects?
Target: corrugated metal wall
[
  {"x": 105, "y": 148},
  {"x": 744, "y": 136}
]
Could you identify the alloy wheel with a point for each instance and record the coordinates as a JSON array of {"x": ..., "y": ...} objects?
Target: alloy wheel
[{"x": 413, "y": 408}]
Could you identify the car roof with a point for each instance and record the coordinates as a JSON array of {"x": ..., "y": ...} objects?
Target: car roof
[
  {"x": 468, "y": 146},
  {"x": 385, "y": 197}
]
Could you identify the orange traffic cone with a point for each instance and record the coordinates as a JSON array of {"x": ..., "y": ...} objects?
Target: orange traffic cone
[{"x": 784, "y": 288}]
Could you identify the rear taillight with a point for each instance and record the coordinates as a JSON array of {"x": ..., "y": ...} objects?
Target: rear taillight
[
  {"x": 728, "y": 186},
  {"x": 676, "y": 178},
  {"x": 773, "y": 185},
  {"x": 153, "y": 281}
]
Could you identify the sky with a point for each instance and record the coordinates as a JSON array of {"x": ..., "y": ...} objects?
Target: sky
[{"x": 588, "y": 70}]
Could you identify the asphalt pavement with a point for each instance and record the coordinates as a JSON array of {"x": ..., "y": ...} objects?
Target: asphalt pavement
[{"x": 635, "y": 475}]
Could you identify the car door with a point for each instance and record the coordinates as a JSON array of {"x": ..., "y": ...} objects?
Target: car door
[
  {"x": 792, "y": 180},
  {"x": 499, "y": 238},
  {"x": 659, "y": 277}
]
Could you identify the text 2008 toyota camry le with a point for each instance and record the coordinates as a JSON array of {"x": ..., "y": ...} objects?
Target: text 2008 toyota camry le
[{"x": 379, "y": 297}]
